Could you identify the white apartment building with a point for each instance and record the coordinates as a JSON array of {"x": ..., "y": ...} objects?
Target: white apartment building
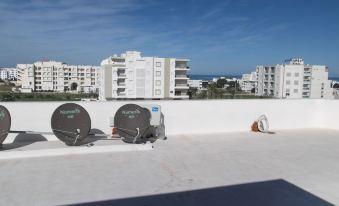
[
  {"x": 8, "y": 73},
  {"x": 248, "y": 82},
  {"x": 131, "y": 76},
  {"x": 294, "y": 79},
  {"x": 57, "y": 77},
  {"x": 195, "y": 83}
]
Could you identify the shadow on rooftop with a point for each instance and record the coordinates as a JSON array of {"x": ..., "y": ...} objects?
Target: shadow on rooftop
[
  {"x": 92, "y": 138},
  {"x": 22, "y": 140},
  {"x": 275, "y": 192}
]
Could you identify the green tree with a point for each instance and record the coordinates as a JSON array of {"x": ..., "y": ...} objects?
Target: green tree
[
  {"x": 233, "y": 88},
  {"x": 221, "y": 83},
  {"x": 8, "y": 97},
  {"x": 192, "y": 92},
  {"x": 212, "y": 90},
  {"x": 202, "y": 94}
]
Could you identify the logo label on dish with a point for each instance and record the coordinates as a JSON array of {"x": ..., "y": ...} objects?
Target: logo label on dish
[
  {"x": 69, "y": 114},
  {"x": 131, "y": 113}
]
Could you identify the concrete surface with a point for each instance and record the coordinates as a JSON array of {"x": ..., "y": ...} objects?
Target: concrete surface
[
  {"x": 306, "y": 158},
  {"x": 185, "y": 117},
  {"x": 57, "y": 148}
]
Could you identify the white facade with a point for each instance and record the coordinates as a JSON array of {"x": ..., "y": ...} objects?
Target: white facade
[
  {"x": 195, "y": 84},
  {"x": 294, "y": 79},
  {"x": 248, "y": 82},
  {"x": 8, "y": 73},
  {"x": 131, "y": 76},
  {"x": 57, "y": 77}
]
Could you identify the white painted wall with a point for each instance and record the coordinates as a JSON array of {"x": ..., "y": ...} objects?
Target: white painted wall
[{"x": 186, "y": 117}]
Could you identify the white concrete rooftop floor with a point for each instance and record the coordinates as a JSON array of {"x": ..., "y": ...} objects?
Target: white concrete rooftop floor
[{"x": 306, "y": 158}]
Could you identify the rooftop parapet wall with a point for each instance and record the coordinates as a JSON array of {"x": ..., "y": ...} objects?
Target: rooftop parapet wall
[{"x": 187, "y": 117}]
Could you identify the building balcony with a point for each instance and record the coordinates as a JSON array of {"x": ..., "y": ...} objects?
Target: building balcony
[
  {"x": 120, "y": 65},
  {"x": 181, "y": 96},
  {"x": 306, "y": 95},
  {"x": 121, "y": 76},
  {"x": 181, "y": 86},
  {"x": 121, "y": 94},
  {"x": 121, "y": 85},
  {"x": 122, "y": 69},
  {"x": 118, "y": 61},
  {"x": 182, "y": 69},
  {"x": 181, "y": 77}
]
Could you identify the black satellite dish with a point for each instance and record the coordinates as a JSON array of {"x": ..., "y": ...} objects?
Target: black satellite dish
[
  {"x": 5, "y": 123},
  {"x": 71, "y": 123},
  {"x": 132, "y": 123}
]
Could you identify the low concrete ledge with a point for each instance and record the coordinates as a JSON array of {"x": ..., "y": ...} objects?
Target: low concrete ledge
[{"x": 193, "y": 116}]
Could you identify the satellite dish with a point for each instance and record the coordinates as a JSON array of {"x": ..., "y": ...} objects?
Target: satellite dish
[
  {"x": 132, "y": 122},
  {"x": 5, "y": 123},
  {"x": 71, "y": 123}
]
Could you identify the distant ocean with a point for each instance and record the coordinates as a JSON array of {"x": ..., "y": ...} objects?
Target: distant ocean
[
  {"x": 210, "y": 77},
  {"x": 334, "y": 78}
]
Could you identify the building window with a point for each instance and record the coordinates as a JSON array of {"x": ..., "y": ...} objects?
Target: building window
[
  {"x": 296, "y": 74},
  {"x": 295, "y": 91},
  {"x": 158, "y": 92},
  {"x": 287, "y": 90},
  {"x": 296, "y": 82},
  {"x": 158, "y": 83},
  {"x": 288, "y": 74},
  {"x": 158, "y": 64},
  {"x": 158, "y": 73},
  {"x": 288, "y": 82}
]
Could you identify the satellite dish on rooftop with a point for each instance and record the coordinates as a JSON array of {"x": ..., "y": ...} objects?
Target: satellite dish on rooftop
[
  {"x": 71, "y": 123},
  {"x": 139, "y": 124},
  {"x": 5, "y": 123},
  {"x": 132, "y": 121}
]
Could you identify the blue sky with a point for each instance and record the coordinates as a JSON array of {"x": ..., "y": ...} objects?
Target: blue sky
[{"x": 220, "y": 37}]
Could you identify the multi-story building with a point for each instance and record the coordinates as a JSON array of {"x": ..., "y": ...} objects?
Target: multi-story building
[
  {"x": 8, "y": 73},
  {"x": 131, "y": 76},
  {"x": 293, "y": 79},
  {"x": 248, "y": 82},
  {"x": 57, "y": 77},
  {"x": 195, "y": 83}
]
